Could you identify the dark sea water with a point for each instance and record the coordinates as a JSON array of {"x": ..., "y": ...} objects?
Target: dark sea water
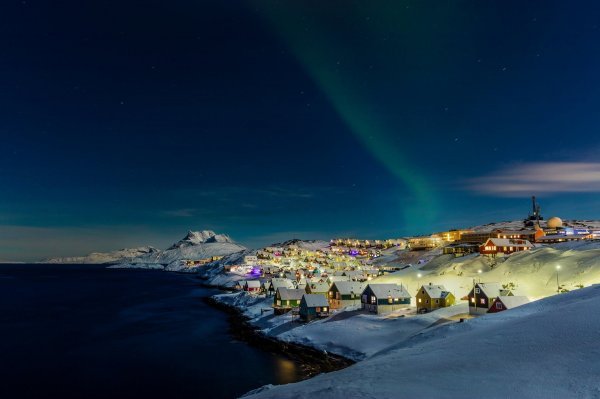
[{"x": 90, "y": 332}]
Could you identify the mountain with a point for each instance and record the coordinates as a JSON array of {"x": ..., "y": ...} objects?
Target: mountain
[
  {"x": 195, "y": 245},
  {"x": 121, "y": 255}
]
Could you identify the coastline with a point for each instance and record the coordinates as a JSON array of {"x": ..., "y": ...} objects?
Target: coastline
[{"x": 312, "y": 361}]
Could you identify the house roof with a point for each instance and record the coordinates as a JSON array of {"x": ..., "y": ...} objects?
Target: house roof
[
  {"x": 510, "y": 302},
  {"x": 435, "y": 291},
  {"x": 513, "y": 232},
  {"x": 319, "y": 287},
  {"x": 338, "y": 278},
  {"x": 281, "y": 282},
  {"x": 314, "y": 300},
  {"x": 509, "y": 242},
  {"x": 353, "y": 273},
  {"x": 253, "y": 283},
  {"x": 349, "y": 287},
  {"x": 290, "y": 294},
  {"x": 491, "y": 290},
  {"x": 386, "y": 290}
]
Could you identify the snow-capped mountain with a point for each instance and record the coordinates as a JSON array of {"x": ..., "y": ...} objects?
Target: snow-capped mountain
[
  {"x": 194, "y": 246},
  {"x": 121, "y": 255}
]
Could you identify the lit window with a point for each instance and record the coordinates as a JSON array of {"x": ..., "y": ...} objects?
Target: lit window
[
  {"x": 482, "y": 301},
  {"x": 419, "y": 300},
  {"x": 473, "y": 300},
  {"x": 373, "y": 300}
]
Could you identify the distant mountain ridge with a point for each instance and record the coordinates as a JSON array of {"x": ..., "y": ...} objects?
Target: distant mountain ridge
[{"x": 195, "y": 245}]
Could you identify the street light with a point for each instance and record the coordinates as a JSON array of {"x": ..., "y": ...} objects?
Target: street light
[{"x": 557, "y": 285}]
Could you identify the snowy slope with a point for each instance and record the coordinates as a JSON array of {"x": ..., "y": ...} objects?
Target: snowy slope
[
  {"x": 533, "y": 273},
  {"x": 545, "y": 349},
  {"x": 353, "y": 333},
  {"x": 519, "y": 225}
]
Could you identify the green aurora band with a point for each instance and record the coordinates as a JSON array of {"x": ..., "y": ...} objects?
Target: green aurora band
[{"x": 319, "y": 58}]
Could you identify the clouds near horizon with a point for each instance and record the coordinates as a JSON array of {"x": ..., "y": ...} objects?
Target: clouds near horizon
[{"x": 539, "y": 178}]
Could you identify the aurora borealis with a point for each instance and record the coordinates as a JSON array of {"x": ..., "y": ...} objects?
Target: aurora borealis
[{"x": 126, "y": 125}]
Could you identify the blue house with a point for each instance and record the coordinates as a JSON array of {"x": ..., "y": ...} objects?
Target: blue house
[{"x": 313, "y": 306}]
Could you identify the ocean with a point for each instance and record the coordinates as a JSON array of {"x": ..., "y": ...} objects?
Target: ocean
[{"x": 84, "y": 331}]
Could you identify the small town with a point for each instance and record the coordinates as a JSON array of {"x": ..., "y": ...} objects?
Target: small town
[{"x": 313, "y": 281}]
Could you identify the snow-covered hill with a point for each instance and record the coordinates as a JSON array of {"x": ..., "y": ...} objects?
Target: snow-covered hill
[
  {"x": 519, "y": 225},
  {"x": 545, "y": 349},
  {"x": 532, "y": 273},
  {"x": 195, "y": 246}
]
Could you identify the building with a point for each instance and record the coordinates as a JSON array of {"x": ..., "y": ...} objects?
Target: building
[
  {"x": 556, "y": 238},
  {"x": 482, "y": 296},
  {"x": 252, "y": 286},
  {"x": 503, "y": 303},
  {"x": 478, "y": 237},
  {"x": 452, "y": 235},
  {"x": 460, "y": 249},
  {"x": 424, "y": 243},
  {"x": 528, "y": 235},
  {"x": 313, "y": 306},
  {"x": 503, "y": 246},
  {"x": 286, "y": 299},
  {"x": 345, "y": 293},
  {"x": 384, "y": 298},
  {"x": 431, "y": 297}
]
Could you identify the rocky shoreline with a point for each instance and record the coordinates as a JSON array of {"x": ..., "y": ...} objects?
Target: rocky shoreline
[{"x": 311, "y": 361}]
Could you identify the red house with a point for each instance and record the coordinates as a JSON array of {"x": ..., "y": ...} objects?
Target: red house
[
  {"x": 252, "y": 286},
  {"x": 504, "y": 246},
  {"x": 502, "y": 303}
]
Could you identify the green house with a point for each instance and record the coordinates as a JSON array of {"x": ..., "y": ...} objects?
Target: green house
[
  {"x": 384, "y": 298},
  {"x": 286, "y": 299},
  {"x": 345, "y": 293},
  {"x": 313, "y": 306}
]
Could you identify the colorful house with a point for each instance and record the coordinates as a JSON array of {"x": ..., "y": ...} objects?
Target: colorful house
[
  {"x": 503, "y": 246},
  {"x": 503, "y": 303},
  {"x": 345, "y": 293},
  {"x": 431, "y": 297},
  {"x": 286, "y": 299},
  {"x": 482, "y": 296},
  {"x": 313, "y": 306},
  {"x": 252, "y": 286},
  {"x": 384, "y": 298}
]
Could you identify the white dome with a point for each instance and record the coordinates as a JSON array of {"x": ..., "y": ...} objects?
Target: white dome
[{"x": 555, "y": 222}]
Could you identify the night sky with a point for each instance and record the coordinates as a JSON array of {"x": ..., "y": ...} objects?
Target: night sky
[{"x": 127, "y": 123}]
